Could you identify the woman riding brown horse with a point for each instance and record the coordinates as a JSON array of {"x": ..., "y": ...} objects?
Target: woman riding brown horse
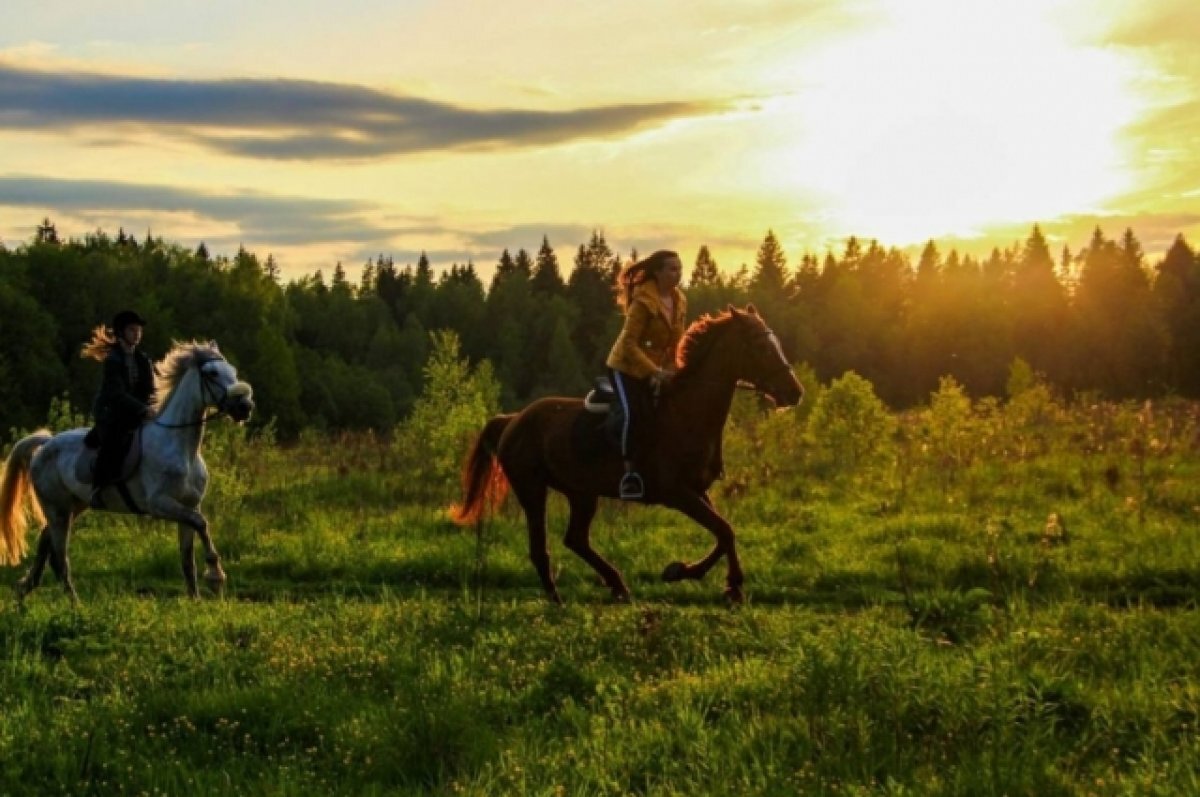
[{"x": 536, "y": 450}]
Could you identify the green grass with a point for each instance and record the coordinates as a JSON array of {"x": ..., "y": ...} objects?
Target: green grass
[{"x": 926, "y": 641}]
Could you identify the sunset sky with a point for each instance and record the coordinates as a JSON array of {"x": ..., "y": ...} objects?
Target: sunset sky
[{"x": 326, "y": 132}]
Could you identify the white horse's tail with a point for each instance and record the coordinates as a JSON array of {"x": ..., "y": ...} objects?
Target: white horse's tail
[{"x": 15, "y": 511}]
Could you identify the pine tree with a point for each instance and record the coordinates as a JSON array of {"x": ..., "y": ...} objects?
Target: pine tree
[
  {"x": 524, "y": 263},
  {"x": 1038, "y": 303},
  {"x": 510, "y": 308},
  {"x": 366, "y": 282},
  {"x": 705, "y": 274},
  {"x": 930, "y": 264},
  {"x": 1177, "y": 289},
  {"x": 421, "y": 294},
  {"x": 589, "y": 290},
  {"x": 564, "y": 371},
  {"x": 1120, "y": 339},
  {"x": 546, "y": 276},
  {"x": 770, "y": 269},
  {"x": 504, "y": 269},
  {"x": 46, "y": 233},
  {"x": 340, "y": 284}
]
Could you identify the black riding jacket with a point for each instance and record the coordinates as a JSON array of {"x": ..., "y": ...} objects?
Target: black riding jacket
[{"x": 122, "y": 401}]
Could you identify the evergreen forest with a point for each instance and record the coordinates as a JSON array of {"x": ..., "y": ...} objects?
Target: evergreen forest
[{"x": 348, "y": 351}]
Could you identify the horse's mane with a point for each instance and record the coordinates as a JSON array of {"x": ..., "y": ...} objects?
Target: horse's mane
[
  {"x": 699, "y": 338},
  {"x": 171, "y": 369}
]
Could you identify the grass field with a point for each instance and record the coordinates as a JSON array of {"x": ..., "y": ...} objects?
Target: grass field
[{"x": 976, "y": 615}]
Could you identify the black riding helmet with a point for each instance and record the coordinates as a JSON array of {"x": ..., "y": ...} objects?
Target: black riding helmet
[{"x": 124, "y": 319}]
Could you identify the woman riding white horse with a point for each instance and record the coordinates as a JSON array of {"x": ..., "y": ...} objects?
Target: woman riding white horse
[{"x": 168, "y": 483}]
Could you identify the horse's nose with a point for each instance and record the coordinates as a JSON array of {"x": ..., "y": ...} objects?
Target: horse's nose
[
  {"x": 242, "y": 409},
  {"x": 791, "y": 394}
]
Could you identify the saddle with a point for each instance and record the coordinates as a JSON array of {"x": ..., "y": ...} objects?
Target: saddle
[
  {"x": 600, "y": 397},
  {"x": 85, "y": 463},
  {"x": 597, "y": 431}
]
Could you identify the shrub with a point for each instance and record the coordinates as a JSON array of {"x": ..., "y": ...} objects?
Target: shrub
[
  {"x": 850, "y": 428},
  {"x": 457, "y": 400}
]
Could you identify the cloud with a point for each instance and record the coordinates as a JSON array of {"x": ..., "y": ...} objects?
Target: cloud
[
  {"x": 259, "y": 217},
  {"x": 303, "y": 120},
  {"x": 529, "y": 237},
  {"x": 1163, "y": 23}
]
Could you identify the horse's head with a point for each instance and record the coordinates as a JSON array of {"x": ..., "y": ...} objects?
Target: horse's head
[
  {"x": 222, "y": 388},
  {"x": 761, "y": 362}
]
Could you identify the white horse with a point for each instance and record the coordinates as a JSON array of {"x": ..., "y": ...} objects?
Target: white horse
[{"x": 168, "y": 483}]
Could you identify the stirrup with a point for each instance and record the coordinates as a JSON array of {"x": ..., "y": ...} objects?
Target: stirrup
[{"x": 631, "y": 487}]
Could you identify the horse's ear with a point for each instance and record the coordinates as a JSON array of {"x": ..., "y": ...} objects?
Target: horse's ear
[
  {"x": 213, "y": 345},
  {"x": 751, "y": 309},
  {"x": 731, "y": 309}
]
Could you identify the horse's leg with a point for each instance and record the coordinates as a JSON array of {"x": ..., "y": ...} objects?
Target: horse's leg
[
  {"x": 187, "y": 538},
  {"x": 213, "y": 573},
  {"x": 531, "y": 494},
  {"x": 166, "y": 507},
  {"x": 59, "y": 530},
  {"x": 33, "y": 578},
  {"x": 699, "y": 508},
  {"x": 678, "y": 571},
  {"x": 578, "y": 539}
]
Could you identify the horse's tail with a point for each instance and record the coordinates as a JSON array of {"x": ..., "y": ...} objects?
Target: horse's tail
[
  {"x": 14, "y": 486},
  {"x": 483, "y": 482}
]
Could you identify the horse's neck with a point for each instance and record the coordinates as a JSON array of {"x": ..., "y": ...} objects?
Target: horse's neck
[
  {"x": 183, "y": 412},
  {"x": 705, "y": 396}
]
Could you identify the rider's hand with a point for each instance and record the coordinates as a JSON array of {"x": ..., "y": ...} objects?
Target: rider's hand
[{"x": 149, "y": 414}]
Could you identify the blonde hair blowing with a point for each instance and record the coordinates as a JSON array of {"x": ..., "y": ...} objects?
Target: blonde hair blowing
[{"x": 102, "y": 342}]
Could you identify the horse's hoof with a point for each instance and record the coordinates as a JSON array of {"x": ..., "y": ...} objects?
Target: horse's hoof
[
  {"x": 734, "y": 596},
  {"x": 676, "y": 571},
  {"x": 215, "y": 576},
  {"x": 621, "y": 596}
]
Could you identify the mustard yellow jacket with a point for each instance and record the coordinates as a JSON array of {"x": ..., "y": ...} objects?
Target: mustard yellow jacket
[{"x": 647, "y": 341}]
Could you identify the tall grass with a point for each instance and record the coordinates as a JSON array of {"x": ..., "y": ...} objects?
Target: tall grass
[{"x": 993, "y": 598}]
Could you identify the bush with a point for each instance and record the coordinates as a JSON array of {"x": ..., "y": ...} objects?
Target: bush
[
  {"x": 454, "y": 406},
  {"x": 850, "y": 428}
]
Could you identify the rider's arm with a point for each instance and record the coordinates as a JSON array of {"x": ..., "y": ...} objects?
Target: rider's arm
[{"x": 638, "y": 363}]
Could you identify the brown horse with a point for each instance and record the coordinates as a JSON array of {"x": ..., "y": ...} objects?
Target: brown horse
[{"x": 539, "y": 449}]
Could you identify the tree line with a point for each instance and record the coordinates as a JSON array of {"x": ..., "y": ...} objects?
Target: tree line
[{"x": 350, "y": 353}]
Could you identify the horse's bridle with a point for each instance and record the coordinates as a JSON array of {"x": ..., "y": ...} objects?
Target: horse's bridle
[
  {"x": 208, "y": 388},
  {"x": 781, "y": 367}
]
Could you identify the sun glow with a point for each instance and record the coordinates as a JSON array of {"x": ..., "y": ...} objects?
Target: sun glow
[{"x": 950, "y": 117}]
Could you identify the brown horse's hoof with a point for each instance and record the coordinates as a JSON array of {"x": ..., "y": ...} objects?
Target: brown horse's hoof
[
  {"x": 676, "y": 571},
  {"x": 621, "y": 596},
  {"x": 734, "y": 596}
]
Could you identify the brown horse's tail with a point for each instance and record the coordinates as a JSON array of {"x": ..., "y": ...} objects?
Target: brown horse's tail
[
  {"x": 483, "y": 482},
  {"x": 15, "y": 511}
]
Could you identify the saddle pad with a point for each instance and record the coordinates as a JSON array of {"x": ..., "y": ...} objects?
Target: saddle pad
[{"x": 85, "y": 463}]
